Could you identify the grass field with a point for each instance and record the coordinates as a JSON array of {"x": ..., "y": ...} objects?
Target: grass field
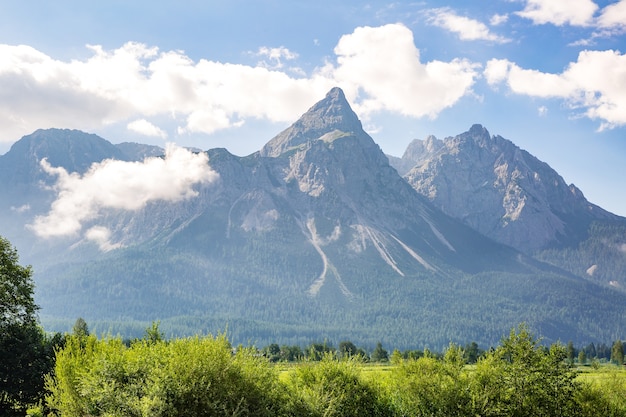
[{"x": 606, "y": 373}]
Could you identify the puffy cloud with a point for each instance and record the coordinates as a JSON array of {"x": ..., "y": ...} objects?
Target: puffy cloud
[
  {"x": 381, "y": 70},
  {"x": 120, "y": 185},
  {"x": 613, "y": 16},
  {"x": 596, "y": 82},
  {"x": 136, "y": 83},
  {"x": 467, "y": 29},
  {"x": 144, "y": 127},
  {"x": 560, "y": 12}
]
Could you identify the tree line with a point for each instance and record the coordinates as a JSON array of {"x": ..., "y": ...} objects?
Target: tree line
[{"x": 79, "y": 374}]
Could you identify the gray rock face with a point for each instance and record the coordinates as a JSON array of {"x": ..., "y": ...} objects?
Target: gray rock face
[
  {"x": 317, "y": 236},
  {"x": 138, "y": 152},
  {"x": 331, "y": 113},
  {"x": 500, "y": 190}
]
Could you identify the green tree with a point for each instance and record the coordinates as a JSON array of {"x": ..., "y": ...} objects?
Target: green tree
[
  {"x": 571, "y": 352},
  {"x": 379, "y": 354},
  {"x": 80, "y": 328},
  {"x": 617, "y": 352},
  {"x": 153, "y": 334},
  {"x": 472, "y": 352},
  {"x": 22, "y": 342},
  {"x": 523, "y": 378},
  {"x": 272, "y": 352},
  {"x": 582, "y": 357},
  {"x": 347, "y": 348},
  {"x": 290, "y": 353},
  {"x": 17, "y": 306}
]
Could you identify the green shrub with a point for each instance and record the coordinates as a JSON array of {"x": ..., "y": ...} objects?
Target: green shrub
[
  {"x": 431, "y": 387},
  {"x": 185, "y": 377},
  {"x": 333, "y": 387}
]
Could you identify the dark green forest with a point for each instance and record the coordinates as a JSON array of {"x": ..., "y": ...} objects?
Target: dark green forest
[
  {"x": 268, "y": 301},
  {"x": 600, "y": 257},
  {"x": 80, "y": 374}
]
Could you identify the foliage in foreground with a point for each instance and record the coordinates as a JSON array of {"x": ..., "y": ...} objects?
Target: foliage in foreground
[
  {"x": 26, "y": 352},
  {"x": 205, "y": 377}
]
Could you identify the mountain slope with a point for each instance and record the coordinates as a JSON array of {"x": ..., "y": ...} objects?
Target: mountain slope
[
  {"x": 316, "y": 236},
  {"x": 509, "y": 195},
  {"x": 503, "y": 192}
]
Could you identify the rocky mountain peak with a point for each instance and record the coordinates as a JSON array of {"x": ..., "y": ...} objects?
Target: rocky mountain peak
[
  {"x": 329, "y": 114},
  {"x": 418, "y": 149},
  {"x": 73, "y": 150},
  {"x": 502, "y": 191}
]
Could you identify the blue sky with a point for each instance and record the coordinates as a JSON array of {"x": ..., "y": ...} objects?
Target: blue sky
[{"x": 550, "y": 75}]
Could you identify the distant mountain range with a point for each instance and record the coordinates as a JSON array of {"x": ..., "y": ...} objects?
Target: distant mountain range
[{"x": 317, "y": 237}]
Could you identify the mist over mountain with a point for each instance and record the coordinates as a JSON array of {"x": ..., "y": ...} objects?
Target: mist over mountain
[{"x": 314, "y": 237}]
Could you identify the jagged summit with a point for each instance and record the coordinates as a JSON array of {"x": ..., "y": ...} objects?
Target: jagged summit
[
  {"x": 329, "y": 114},
  {"x": 500, "y": 190}
]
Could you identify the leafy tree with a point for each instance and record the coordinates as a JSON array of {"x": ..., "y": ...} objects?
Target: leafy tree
[
  {"x": 17, "y": 306},
  {"x": 272, "y": 352},
  {"x": 582, "y": 357},
  {"x": 590, "y": 351},
  {"x": 472, "y": 352},
  {"x": 571, "y": 352},
  {"x": 379, "y": 354},
  {"x": 23, "y": 345},
  {"x": 80, "y": 328},
  {"x": 290, "y": 353},
  {"x": 347, "y": 348},
  {"x": 523, "y": 378},
  {"x": 317, "y": 351},
  {"x": 617, "y": 352},
  {"x": 396, "y": 357},
  {"x": 153, "y": 334}
]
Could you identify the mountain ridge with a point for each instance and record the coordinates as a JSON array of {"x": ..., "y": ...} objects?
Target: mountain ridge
[{"x": 315, "y": 236}]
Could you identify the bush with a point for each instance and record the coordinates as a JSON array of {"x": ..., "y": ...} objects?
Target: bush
[
  {"x": 333, "y": 387},
  {"x": 430, "y": 387},
  {"x": 185, "y": 377}
]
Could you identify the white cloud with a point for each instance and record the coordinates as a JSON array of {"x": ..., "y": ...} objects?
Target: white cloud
[
  {"x": 21, "y": 209},
  {"x": 560, "y": 12},
  {"x": 120, "y": 185},
  {"x": 380, "y": 69},
  {"x": 138, "y": 83},
  {"x": 467, "y": 29},
  {"x": 596, "y": 83},
  {"x": 276, "y": 56},
  {"x": 613, "y": 16},
  {"x": 102, "y": 237},
  {"x": 498, "y": 19},
  {"x": 144, "y": 127},
  {"x": 542, "y": 111}
]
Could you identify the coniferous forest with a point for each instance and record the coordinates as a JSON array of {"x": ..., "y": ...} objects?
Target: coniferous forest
[{"x": 79, "y": 374}]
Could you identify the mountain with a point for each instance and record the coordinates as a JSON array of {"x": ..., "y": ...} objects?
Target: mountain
[
  {"x": 138, "y": 152},
  {"x": 315, "y": 237},
  {"x": 512, "y": 197},
  {"x": 72, "y": 149}
]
